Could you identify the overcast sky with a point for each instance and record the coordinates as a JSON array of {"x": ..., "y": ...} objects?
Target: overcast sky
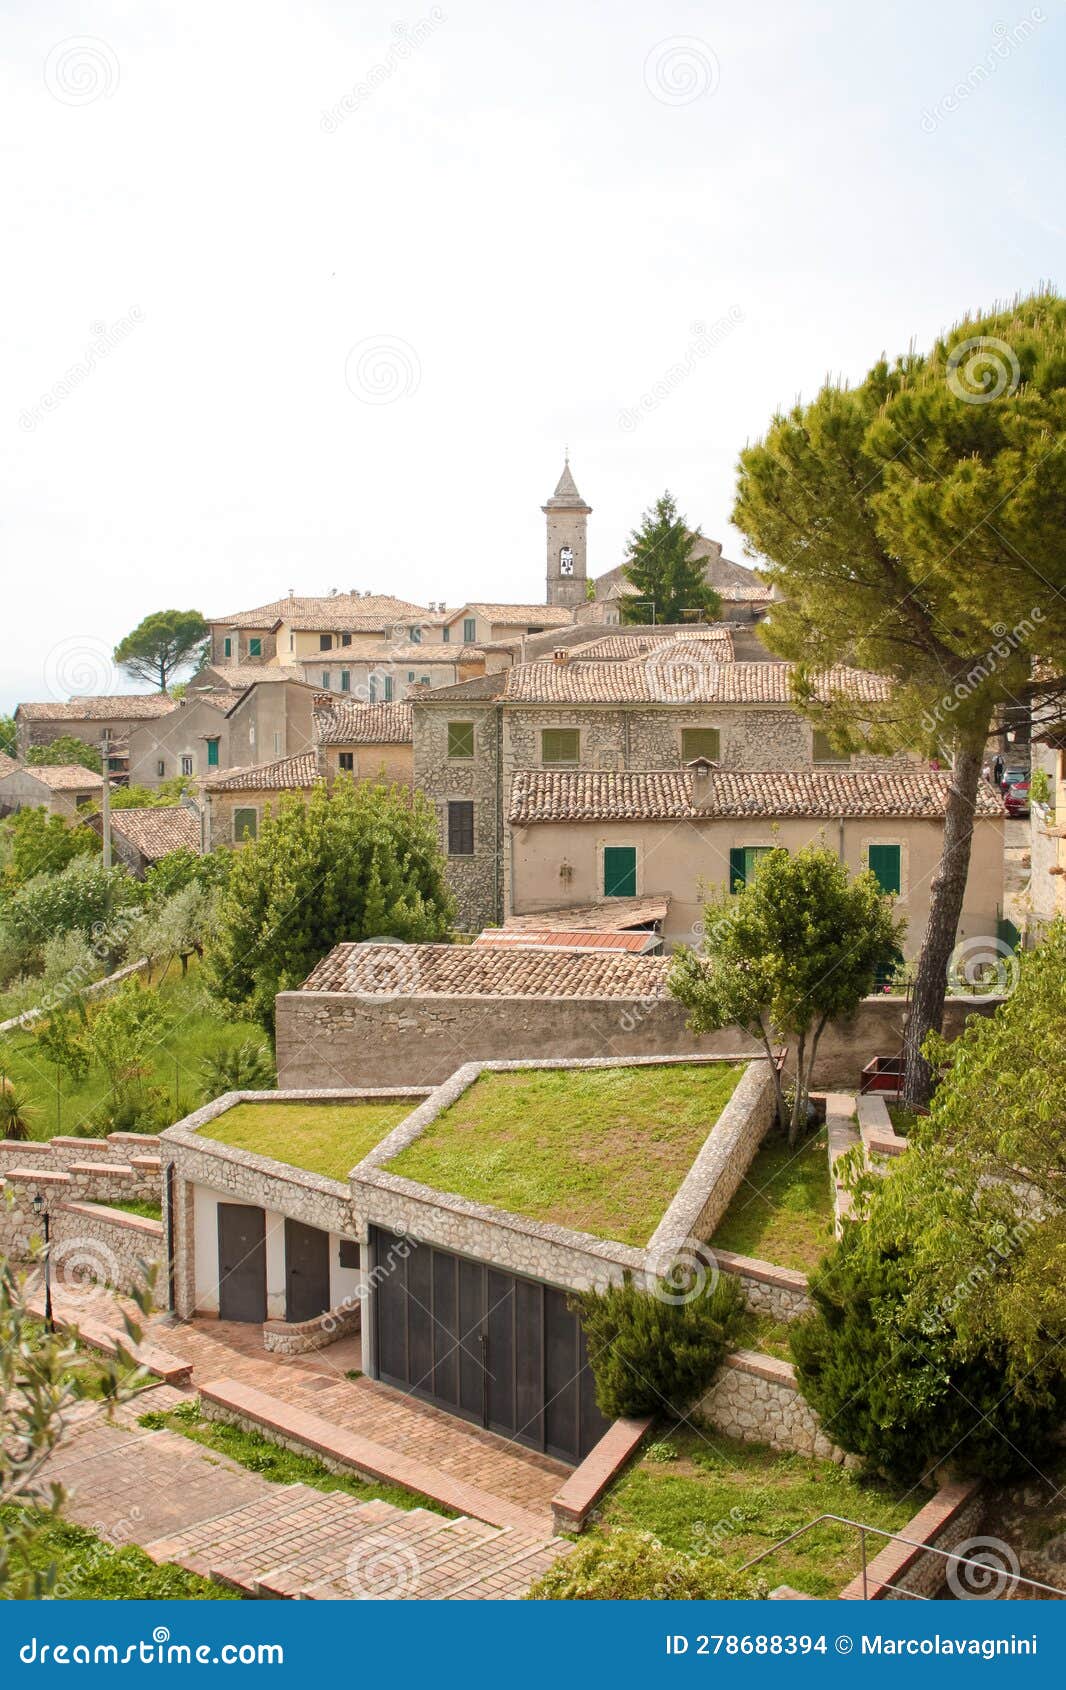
[{"x": 342, "y": 280}]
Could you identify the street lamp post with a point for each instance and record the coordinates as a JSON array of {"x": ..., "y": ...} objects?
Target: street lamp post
[{"x": 41, "y": 1212}]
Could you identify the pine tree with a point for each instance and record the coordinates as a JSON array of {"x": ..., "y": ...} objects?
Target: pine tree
[{"x": 668, "y": 579}]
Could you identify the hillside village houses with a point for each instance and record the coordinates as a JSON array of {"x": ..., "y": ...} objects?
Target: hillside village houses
[{"x": 571, "y": 761}]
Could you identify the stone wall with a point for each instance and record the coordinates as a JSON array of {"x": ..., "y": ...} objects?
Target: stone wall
[
  {"x": 756, "y": 1398},
  {"x": 768, "y": 1289},
  {"x": 416, "y": 1041},
  {"x": 724, "y": 1158},
  {"x": 476, "y": 881},
  {"x": 946, "y": 1522},
  {"x": 88, "y": 1242}
]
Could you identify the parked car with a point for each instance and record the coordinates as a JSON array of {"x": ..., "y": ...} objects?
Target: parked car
[{"x": 1016, "y": 798}]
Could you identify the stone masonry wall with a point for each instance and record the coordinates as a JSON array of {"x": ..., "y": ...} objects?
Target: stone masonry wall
[
  {"x": 723, "y": 1160},
  {"x": 476, "y": 881},
  {"x": 756, "y": 1398}
]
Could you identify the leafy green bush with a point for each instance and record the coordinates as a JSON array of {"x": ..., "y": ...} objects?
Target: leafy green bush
[
  {"x": 248, "y": 1067},
  {"x": 44, "y": 844},
  {"x": 653, "y": 1352},
  {"x": 84, "y": 896},
  {"x": 626, "y": 1566}
]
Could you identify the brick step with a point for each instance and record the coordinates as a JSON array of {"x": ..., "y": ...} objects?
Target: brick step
[
  {"x": 509, "y": 1564},
  {"x": 502, "y": 1564},
  {"x": 246, "y": 1540},
  {"x": 269, "y": 1509},
  {"x": 398, "y": 1545}
]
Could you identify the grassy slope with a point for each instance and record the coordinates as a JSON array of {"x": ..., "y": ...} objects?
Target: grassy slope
[
  {"x": 88, "y": 1568},
  {"x": 602, "y": 1150},
  {"x": 783, "y": 1210},
  {"x": 324, "y": 1138},
  {"x": 737, "y": 1499},
  {"x": 197, "y": 1031}
]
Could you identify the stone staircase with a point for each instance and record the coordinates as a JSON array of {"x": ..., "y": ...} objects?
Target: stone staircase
[{"x": 299, "y": 1543}]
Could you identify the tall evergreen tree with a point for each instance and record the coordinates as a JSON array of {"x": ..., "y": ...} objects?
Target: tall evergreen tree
[
  {"x": 660, "y": 565},
  {"x": 166, "y": 641},
  {"x": 913, "y": 525}
]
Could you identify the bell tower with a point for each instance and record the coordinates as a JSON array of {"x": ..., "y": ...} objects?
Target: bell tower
[{"x": 568, "y": 516}]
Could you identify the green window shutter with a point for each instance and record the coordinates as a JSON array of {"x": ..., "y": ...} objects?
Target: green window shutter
[
  {"x": 212, "y": 753},
  {"x": 245, "y": 824},
  {"x": 255, "y": 648},
  {"x": 346, "y": 680},
  {"x": 469, "y": 630},
  {"x": 700, "y": 742},
  {"x": 227, "y": 648},
  {"x": 460, "y": 739},
  {"x": 560, "y": 745},
  {"x": 446, "y": 635},
  {"x": 372, "y": 690},
  {"x": 388, "y": 689},
  {"x": 887, "y": 868},
  {"x": 737, "y": 870},
  {"x": 619, "y": 871}
]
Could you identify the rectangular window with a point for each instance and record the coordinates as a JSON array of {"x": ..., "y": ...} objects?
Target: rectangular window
[
  {"x": 245, "y": 825},
  {"x": 700, "y": 742},
  {"x": 559, "y": 745},
  {"x": 446, "y": 635},
  {"x": 411, "y": 675},
  {"x": 461, "y": 828},
  {"x": 742, "y": 861},
  {"x": 326, "y": 679},
  {"x": 886, "y": 865},
  {"x": 388, "y": 689},
  {"x": 823, "y": 752},
  {"x": 160, "y": 768},
  {"x": 346, "y": 680},
  {"x": 372, "y": 690},
  {"x": 460, "y": 739},
  {"x": 416, "y": 635},
  {"x": 346, "y": 639},
  {"x": 255, "y": 647},
  {"x": 619, "y": 871},
  {"x": 346, "y": 761},
  {"x": 186, "y": 765},
  {"x": 277, "y": 742},
  {"x": 212, "y": 753},
  {"x": 227, "y": 648},
  {"x": 425, "y": 680},
  {"x": 469, "y": 630},
  {"x": 292, "y": 642},
  {"x": 325, "y": 642}
]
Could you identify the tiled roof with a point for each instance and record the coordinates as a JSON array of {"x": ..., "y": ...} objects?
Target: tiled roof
[
  {"x": 713, "y": 642},
  {"x": 521, "y": 615},
  {"x": 154, "y": 832},
  {"x": 676, "y": 674},
  {"x": 240, "y": 676},
  {"x": 475, "y": 971},
  {"x": 345, "y": 612},
  {"x": 61, "y": 777},
  {"x": 8, "y": 765},
  {"x": 571, "y": 939},
  {"x": 364, "y": 724},
  {"x": 424, "y": 651},
  {"x": 117, "y": 707},
  {"x": 615, "y": 916},
  {"x": 668, "y": 795},
  {"x": 289, "y": 774}
]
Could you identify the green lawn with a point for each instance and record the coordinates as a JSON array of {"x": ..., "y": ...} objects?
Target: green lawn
[
  {"x": 602, "y": 1150},
  {"x": 324, "y": 1138},
  {"x": 763, "y": 1332},
  {"x": 782, "y": 1211},
  {"x": 282, "y": 1466},
  {"x": 196, "y": 1032},
  {"x": 903, "y": 1120},
  {"x": 735, "y": 1499},
  {"x": 88, "y": 1568}
]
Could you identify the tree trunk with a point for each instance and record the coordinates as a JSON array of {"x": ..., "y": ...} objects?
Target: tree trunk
[{"x": 945, "y": 907}]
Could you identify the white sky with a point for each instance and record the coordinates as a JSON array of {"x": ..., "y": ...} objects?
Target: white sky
[{"x": 527, "y": 210}]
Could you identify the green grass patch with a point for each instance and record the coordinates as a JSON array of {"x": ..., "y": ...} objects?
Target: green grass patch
[
  {"x": 735, "y": 1499},
  {"x": 782, "y": 1212},
  {"x": 281, "y": 1466},
  {"x": 134, "y": 1206},
  {"x": 760, "y": 1331},
  {"x": 602, "y": 1150},
  {"x": 903, "y": 1120},
  {"x": 323, "y": 1138},
  {"x": 87, "y": 1567},
  {"x": 197, "y": 1031}
]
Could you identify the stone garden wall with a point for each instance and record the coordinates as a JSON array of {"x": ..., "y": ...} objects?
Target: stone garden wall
[{"x": 755, "y": 1397}]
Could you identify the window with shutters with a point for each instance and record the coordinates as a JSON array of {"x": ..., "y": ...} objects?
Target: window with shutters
[
  {"x": 346, "y": 680},
  {"x": 326, "y": 679},
  {"x": 245, "y": 824},
  {"x": 388, "y": 689},
  {"x": 186, "y": 765},
  {"x": 822, "y": 750},
  {"x": 461, "y": 828},
  {"x": 255, "y": 647},
  {"x": 469, "y": 630},
  {"x": 460, "y": 739},
  {"x": 886, "y": 865},
  {"x": 227, "y": 648},
  {"x": 212, "y": 753},
  {"x": 372, "y": 689},
  {"x": 416, "y": 635},
  {"x": 560, "y": 745},
  {"x": 346, "y": 760},
  {"x": 742, "y": 861},
  {"x": 619, "y": 871},
  {"x": 700, "y": 742},
  {"x": 446, "y": 635}
]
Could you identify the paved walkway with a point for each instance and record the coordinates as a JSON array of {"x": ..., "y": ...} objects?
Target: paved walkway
[{"x": 843, "y": 1135}]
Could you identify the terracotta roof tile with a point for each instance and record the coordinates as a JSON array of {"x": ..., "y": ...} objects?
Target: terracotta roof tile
[
  {"x": 343, "y": 612},
  {"x": 364, "y": 724},
  {"x": 473, "y": 971},
  {"x": 61, "y": 777},
  {"x": 675, "y": 673},
  {"x": 156, "y": 831},
  {"x": 714, "y": 641},
  {"x": 117, "y": 707},
  {"x": 615, "y": 916},
  {"x": 289, "y": 774},
  {"x": 571, "y": 939},
  {"x": 8, "y": 765},
  {"x": 668, "y": 795},
  {"x": 520, "y": 615}
]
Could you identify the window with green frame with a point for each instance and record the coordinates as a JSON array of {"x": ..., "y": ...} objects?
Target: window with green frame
[
  {"x": 227, "y": 647},
  {"x": 469, "y": 630},
  {"x": 346, "y": 680},
  {"x": 742, "y": 861},
  {"x": 212, "y": 753},
  {"x": 388, "y": 689},
  {"x": 823, "y": 751},
  {"x": 619, "y": 871},
  {"x": 700, "y": 742},
  {"x": 245, "y": 824},
  {"x": 886, "y": 866},
  {"x": 560, "y": 745},
  {"x": 255, "y": 647},
  {"x": 460, "y": 739}
]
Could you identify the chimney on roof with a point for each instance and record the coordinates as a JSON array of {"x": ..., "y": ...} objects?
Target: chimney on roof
[
  {"x": 701, "y": 769},
  {"x": 561, "y": 654}
]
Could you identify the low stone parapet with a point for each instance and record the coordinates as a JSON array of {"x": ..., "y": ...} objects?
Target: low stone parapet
[
  {"x": 298, "y": 1337},
  {"x": 756, "y": 1398},
  {"x": 906, "y": 1568},
  {"x": 875, "y": 1124},
  {"x": 768, "y": 1289}
]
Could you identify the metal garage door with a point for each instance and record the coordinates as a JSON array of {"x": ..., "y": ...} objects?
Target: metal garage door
[{"x": 500, "y": 1350}]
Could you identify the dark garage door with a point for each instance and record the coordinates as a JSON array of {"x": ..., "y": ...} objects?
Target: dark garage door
[
  {"x": 306, "y": 1271},
  {"x": 241, "y": 1262},
  {"x": 500, "y": 1350}
]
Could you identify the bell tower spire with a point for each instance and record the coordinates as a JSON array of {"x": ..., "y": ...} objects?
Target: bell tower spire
[{"x": 567, "y": 538}]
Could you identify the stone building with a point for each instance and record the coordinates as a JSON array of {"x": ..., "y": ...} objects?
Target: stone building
[
  {"x": 141, "y": 836},
  {"x": 293, "y": 629},
  {"x": 258, "y": 720},
  {"x": 365, "y": 741},
  {"x": 567, "y": 540},
  {"x": 107, "y": 720},
  {"x": 60, "y": 788}
]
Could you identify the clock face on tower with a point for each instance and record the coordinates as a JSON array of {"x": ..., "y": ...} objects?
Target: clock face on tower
[{"x": 566, "y": 561}]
